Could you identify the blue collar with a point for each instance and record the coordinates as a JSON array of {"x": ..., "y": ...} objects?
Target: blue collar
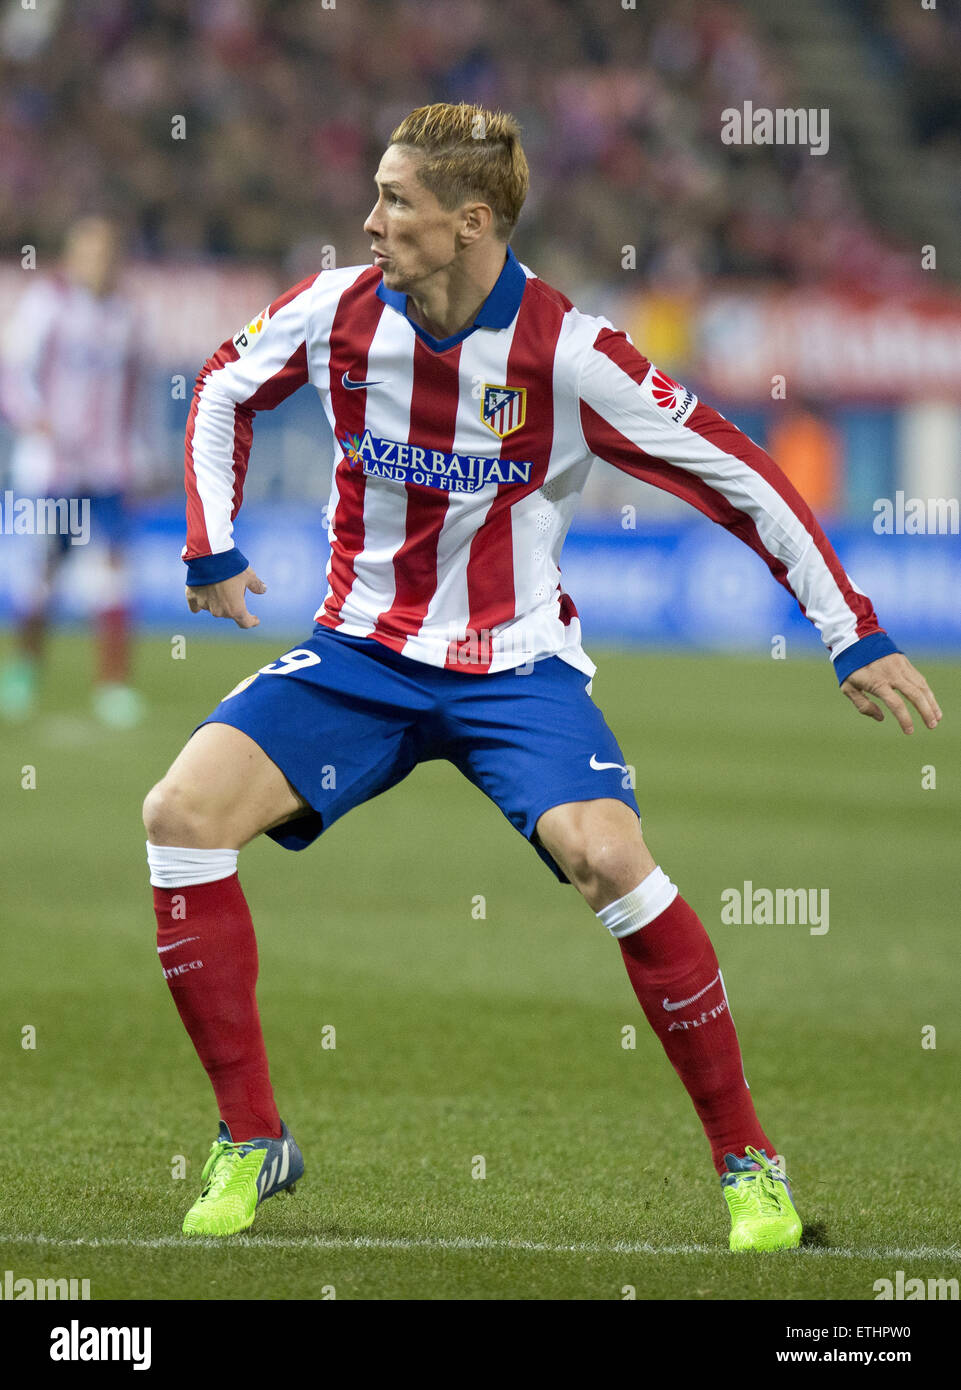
[{"x": 498, "y": 310}]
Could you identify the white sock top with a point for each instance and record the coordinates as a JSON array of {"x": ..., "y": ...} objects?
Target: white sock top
[
  {"x": 645, "y": 902},
  {"x": 172, "y": 867}
]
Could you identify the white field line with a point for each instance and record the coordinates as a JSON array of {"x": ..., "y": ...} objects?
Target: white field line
[{"x": 923, "y": 1252}]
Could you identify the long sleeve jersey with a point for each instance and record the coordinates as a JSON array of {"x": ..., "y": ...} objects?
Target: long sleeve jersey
[
  {"x": 460, "y": 464},
  {"x": 70, "y": 371}
]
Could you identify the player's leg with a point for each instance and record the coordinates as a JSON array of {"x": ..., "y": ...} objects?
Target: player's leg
[
  {"x": 115, "y": 701},
  {"x": 675, "y": 974},
  {"x": 221, "y": 791},
  {"x": 33, "y": 468},
  {"x": 599, "y": 846},
  {"x": 300, "y": 716},
  {"x": 541, "y": 749},
  {"x": 669, "y": 958},
  {"x": 20, "y": 677}
]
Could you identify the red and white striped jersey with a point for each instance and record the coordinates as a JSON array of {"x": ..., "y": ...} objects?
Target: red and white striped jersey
[
  {"x": 70, "y": 369},
  {"x": 460, "y": 465}
]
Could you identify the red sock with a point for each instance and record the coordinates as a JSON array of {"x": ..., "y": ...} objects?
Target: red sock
[
  {"x": 209, "y": 956},
  {"x": 675, "y": 974},
  {"x": 113, "y": 645}
]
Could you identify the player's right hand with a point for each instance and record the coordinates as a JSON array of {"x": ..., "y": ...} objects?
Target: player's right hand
[{"x": 227, "y": 599}]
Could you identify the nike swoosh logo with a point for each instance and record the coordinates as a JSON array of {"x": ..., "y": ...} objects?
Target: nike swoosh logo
[
  {"x": 345, "y": 380},
  {"x": 182, "y": 942},
  {"x": 681, "y": 1002},
  {"x": 602, "y": 767}
]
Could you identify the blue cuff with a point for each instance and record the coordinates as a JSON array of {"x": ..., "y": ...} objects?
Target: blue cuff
[
  {"x": 211, "y": 569},
  {"x": 869, "y": 648}
]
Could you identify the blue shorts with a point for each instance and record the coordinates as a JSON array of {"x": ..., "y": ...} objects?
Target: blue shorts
[
  {"x": 346, "y": 718},
  {"x": 109, "y": 522}
]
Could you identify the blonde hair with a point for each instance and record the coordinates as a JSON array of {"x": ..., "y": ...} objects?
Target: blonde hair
[{"x": 469, "y": 153}]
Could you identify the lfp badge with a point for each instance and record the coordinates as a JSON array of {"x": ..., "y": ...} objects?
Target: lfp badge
[{"x": 504, "y": 408}]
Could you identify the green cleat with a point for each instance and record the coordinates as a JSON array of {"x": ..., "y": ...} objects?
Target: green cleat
[
  {"x": 237, "y": 1178},
  {"x": 18, "y": 690},
  {"x": 761, "y": 1203},
  {"x": 118, "y": 706}
]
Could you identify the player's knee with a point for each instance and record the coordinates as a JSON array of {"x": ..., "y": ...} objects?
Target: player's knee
[
  {"x": 576, "y": 860},
  {"x": 606, "y": 864},
  {"x": 173, "y": 814},
  {"x": 600, "y": 862}
]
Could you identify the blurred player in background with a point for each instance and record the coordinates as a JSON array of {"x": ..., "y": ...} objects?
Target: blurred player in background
[
  {"x": 69, "y": 380},
  {"x": 470, "y": 401}
]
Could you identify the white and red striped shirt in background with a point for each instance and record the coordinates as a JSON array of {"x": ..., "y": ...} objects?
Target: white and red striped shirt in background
[
  {"x": 460, "y": 465},
  {"x": 69, "y": 376}
]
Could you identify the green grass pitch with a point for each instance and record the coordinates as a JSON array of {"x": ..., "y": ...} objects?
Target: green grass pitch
[{"x": 460, "y": 1037}]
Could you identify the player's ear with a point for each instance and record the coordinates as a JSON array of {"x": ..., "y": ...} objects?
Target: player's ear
[{"x": 475, "y": 220}]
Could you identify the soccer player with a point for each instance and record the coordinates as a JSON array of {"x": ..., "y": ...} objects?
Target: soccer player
[
  {"x": 468, "y": 401},
  {"x": 69, "y": 378}
]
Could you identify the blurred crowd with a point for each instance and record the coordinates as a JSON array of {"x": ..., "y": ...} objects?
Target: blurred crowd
[
  {"x": 922, "y": 47},
  {"x": 286, "y": 108}
]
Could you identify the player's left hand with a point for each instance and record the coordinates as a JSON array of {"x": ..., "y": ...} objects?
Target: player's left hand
[{"x": 884, "y": 678}]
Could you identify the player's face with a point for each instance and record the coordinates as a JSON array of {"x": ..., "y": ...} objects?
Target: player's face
[
  {"x": 92, "y": 254},
  {"x": 412, "y": 236}
]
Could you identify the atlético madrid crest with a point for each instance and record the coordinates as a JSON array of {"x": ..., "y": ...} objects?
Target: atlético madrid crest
[{"x": 503, "y": 408}]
